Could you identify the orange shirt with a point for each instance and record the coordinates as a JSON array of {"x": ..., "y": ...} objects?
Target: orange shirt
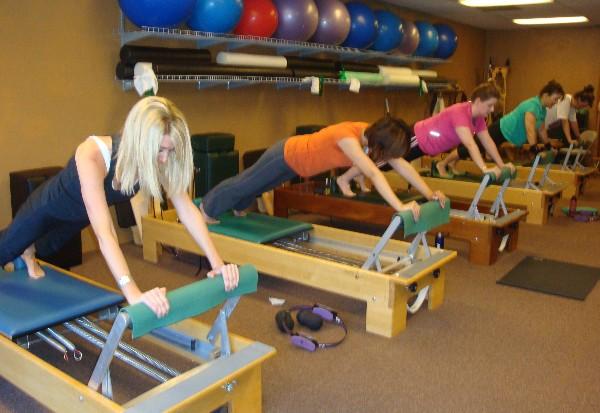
[{"x": 309, "y": 155}]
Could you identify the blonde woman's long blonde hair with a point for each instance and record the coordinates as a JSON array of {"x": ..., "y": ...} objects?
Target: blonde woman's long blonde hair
[{"x": 147, "y": 123}]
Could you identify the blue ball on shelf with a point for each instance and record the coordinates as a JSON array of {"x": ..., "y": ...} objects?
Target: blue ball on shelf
[
  {"x": 389, "y": 33},
  {"x": 428, "y": 39},
  {"x": 363, "y": 26},
  {"x": 216, "y": 16},
  {"x": 448, "y": 40},
  {"x": 157, "y": 13}
]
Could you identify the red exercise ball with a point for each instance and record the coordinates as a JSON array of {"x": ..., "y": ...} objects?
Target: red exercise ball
[{"x": 259, "y": 18}]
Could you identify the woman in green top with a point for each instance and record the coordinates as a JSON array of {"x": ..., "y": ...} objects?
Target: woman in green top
[{"x": 523, "y": 124}]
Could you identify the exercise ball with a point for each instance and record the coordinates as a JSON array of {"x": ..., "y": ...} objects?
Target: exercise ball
[
  {"x": 363, "y": 26},
  {"x": 428, "y": 39},
  {"x": 410, "y": 41},
  {"x": 447, "y": 41},
  {"x": 216, "y": 16},
  {"x": 334, "y": 22},
  {"x": 298, "y": 19},
  {"x": 157, "y": 13},
  {"x": 259, "y": 18},
  {"x": 389, "y": 32}
]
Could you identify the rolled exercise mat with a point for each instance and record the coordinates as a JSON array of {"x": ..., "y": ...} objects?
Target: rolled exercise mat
[
  {"x": 252, "y": 60},
  {"x": 401, "y": 80},
  {"x": 133, "y": 54},
  {"x": 305, "y": 72},
  {"x": 189, "y": 301},
  {"x": 124, "y": 71},
  {"x": 363, "y": 77},
  {"x": 430, "y": 74},
  {"x": 395, "y": 70},
  {"x": 357, "y": 67},
  {"x": 294, "y": 62}
]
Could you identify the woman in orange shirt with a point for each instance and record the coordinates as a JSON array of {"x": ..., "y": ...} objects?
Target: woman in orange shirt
[{"x": 336, "y": 146}]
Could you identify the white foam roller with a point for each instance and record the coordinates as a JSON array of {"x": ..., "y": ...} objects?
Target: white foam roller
[
  {"x": 253, "y": 60},
  {"x": 401, "y": 80},
  {"x": 426, "y": 73},
  {"x": 394, "y": 70}
]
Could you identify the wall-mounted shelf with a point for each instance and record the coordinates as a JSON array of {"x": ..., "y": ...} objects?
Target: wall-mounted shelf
[
  {"x": 234, "y": 42},
  {"x": 233, "y": 82},
  {"x": 129, "y": 33}
]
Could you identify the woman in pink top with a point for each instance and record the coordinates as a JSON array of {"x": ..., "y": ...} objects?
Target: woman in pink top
[{"x": 451, "y": 128}]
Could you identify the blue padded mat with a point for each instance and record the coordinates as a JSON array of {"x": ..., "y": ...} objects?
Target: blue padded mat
[{"x": 29, "y": 305}]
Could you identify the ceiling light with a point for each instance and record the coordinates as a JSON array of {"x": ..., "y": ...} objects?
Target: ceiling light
[
  {"x": 552, "y": 20},
  {"x": 501, "y": 3}
]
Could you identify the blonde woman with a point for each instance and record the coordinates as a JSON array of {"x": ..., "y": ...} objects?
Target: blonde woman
[{"x": 153, "y": 152}]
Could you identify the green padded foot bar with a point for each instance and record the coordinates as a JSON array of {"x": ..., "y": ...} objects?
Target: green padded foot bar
[
  {"x": 432, "y": 215},
  {"x": 189, "y": 301}
]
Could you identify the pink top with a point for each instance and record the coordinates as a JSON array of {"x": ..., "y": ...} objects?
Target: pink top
[{"x": 437, "y": 134}]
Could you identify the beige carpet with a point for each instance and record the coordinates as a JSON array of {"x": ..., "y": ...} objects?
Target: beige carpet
[{"x": 489, "y": 348}]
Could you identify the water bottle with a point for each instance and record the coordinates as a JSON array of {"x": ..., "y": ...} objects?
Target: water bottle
[
  {"x": 573, "y": 206},
  {"x": 439, "y": 240}
]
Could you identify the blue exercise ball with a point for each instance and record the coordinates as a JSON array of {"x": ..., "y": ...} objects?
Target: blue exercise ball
[
  {"x": 216, "y": 16},
  {"x": 389, "y": 32},
  {"x": 157, "y": 13},
  {"x": 363, "y": 26},
  {"x": 448, "y": 40},
  {"x": 428, "y": 39}
]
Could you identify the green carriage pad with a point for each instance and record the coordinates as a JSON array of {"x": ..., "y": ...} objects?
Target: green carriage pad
[
  {"x": 505, "y": 173},
  {"x": 432, "y": 215},
  {"x": 190, "y": 301},
  {"x": 257, "y": 228},
  {"x": 581, "y": 210},
  {"x": 373, "y": 197}
]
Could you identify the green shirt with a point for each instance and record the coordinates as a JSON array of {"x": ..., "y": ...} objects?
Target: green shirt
[{"x": 512, "y": 125}]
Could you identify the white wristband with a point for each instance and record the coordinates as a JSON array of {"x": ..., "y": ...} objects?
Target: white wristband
[{"x": 123, "y": 281}]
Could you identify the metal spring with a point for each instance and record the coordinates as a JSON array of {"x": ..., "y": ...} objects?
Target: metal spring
[
  {"x": 149, "y": 371},
  {"x": 94, "y": 328},
  {"x": 290, "y": 245}
]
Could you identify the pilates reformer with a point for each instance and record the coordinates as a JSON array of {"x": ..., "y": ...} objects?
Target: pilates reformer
[
  {"x": 225, "y": 368},
  {"x": 538, "y": 203},
  {"x": 543, "y": 171},
  {"x": 487, "y": 234},
  {"x": 383, "y": 272}
]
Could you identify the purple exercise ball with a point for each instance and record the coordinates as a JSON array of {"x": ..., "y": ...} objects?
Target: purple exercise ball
[
  {"x": 298, "y": 19},
  {"x": 410, "y": 41},
  {"x": 334, "y": 22}
]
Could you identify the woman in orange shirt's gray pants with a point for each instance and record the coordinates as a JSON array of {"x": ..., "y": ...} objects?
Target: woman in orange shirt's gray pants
[{"x": 336, "y": 146}]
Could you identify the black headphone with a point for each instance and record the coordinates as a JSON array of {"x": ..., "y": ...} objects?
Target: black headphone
[{"x": 312, "y": 317}]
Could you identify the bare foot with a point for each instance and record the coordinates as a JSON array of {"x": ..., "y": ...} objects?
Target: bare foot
[
  {"x": 33, "y": 268},
  {"x": 363, "y": 185},
  {"x": 344, "y": 187},
  {"x": 239, "y": 213},
  {"x": 207, "y": 219},
  {"x": 441, "y": 169}
]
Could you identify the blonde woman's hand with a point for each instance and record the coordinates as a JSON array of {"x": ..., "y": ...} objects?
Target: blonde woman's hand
[{"x": 230, "y": 274}]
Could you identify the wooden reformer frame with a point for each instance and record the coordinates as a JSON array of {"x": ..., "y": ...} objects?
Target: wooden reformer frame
[{"x": 386, "y": 295}]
